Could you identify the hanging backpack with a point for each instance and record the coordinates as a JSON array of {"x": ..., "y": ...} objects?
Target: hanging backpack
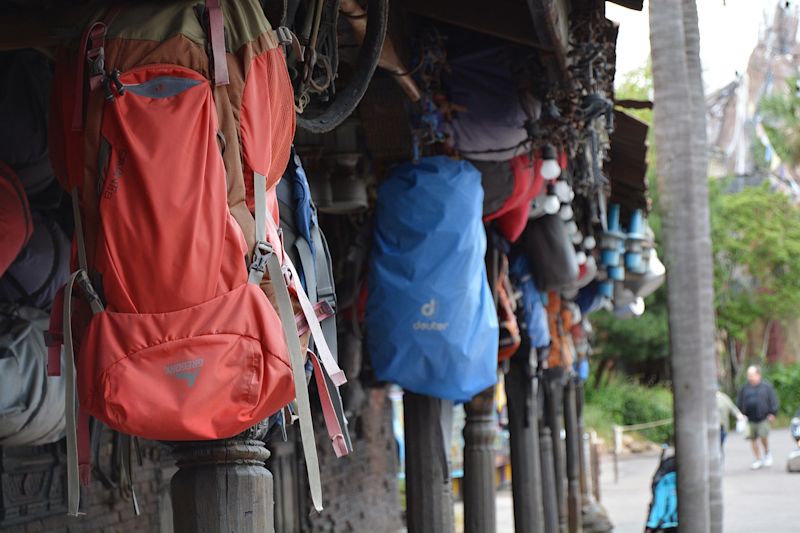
[
  {"x": 172, "y": 148},
  {"x": 16, "y": 224},
  {"x": 510, "y": 339},
  {"x": 307, "y": 248},
  {"x": 533, "y": 317},
  {"x": 31, "y": 402},
  {"x": 40, "y": 269},
  {"x": 25, "y": 80},
  {"x": 509, "y": 189},
  {"x": 431, "y": 323},
  {"x": 489, "y": 124},
  {"x": 550, "y": 253}
]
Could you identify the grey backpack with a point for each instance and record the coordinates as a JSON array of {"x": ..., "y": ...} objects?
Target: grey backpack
[
  {"x": 307, "y": 248},
  {"x": 32, "y": 407}
]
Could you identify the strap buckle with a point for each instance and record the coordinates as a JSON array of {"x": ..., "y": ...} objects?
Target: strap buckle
[
  {"x": 86, "y": 286},
  {"x": 258, "y": 266}
]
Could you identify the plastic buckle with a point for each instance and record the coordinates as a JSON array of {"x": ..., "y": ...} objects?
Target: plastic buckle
[
  {"x": 88, "y": 290},
  {"x": 284, "y": 35},
  {"x": 261, "y": 253}
]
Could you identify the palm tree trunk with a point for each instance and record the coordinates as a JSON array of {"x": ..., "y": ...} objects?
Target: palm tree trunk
[
  {"x": 684, "y": 195},
  {"x": 704, "y": 257}
]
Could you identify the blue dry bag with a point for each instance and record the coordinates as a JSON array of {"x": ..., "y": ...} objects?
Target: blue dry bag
[{"x": 431, "y": 321}]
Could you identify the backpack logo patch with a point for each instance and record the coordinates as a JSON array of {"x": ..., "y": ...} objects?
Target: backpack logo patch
[
  {"x": 116, "y": 178},
  {"x": 428, "y": 310},
  {"x": 187, "y": 370}
]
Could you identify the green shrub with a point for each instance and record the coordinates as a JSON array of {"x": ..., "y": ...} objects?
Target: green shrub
[
  {"x": 786, "y": 380},
  {"x": 625, "y": 402}
]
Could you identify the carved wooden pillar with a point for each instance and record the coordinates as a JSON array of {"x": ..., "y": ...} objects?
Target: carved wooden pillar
[
  {"x": 287, "y": 467},
  {"x": 549, "y": 499},
  {"x": 429, "y": 492},
  {"x": 523, "y": 426},
  {"x": 479, "y": 464},
  {"x": 223, "y": 486},
  {"x": 573, "y": 445},
  {"x": 554, "y": 378}
]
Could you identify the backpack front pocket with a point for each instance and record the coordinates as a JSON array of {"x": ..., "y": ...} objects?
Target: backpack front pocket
[{"x": 195, "y": 374}]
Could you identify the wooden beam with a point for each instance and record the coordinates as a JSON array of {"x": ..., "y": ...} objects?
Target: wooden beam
[
  {"x": 506, "y": 19},
  {"x": 550, "y": 19},
  {"x": 43, "y": 29}
]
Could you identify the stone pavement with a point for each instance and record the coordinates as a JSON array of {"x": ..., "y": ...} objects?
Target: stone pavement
[{"x": 762, "y": 501}]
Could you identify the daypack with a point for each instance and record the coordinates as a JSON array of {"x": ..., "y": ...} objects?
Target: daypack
[
  {"x": 31, "y": 402},
  {"x": 172, "y": 148},
  {"x": 16, "y": 224},
  {"x": 40, "y": 269},
  {"x": 307, "y": 247},
  {"x": 431, "y": 323},
  {"x": 25, "y": 79},
  {"x": 533, "y": 317},
  {"x": 490, "y": 122},
  {"x": 509, "y": 188},
  {"x": 503, "y": 294},
  {"x": 664, "y": 505},
  {"x": 550, "y": 253},
  {"x": 510, "y": 339}
]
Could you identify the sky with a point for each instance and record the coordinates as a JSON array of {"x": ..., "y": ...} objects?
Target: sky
[{"x": 728, "y": 33}]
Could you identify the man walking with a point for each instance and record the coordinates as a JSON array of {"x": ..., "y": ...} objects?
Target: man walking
[{"x": 759, "y": 403}]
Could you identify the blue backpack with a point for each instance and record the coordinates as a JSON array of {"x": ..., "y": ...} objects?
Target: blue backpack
[
  {"x": 664, "y": 506},
  {"x": 307, "y": 248},
  {"x": 431, "y": 321},
  {"x": 531, "y": 309}
]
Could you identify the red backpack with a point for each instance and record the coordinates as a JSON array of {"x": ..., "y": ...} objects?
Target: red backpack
[
  {"x": 16, "y": 225},
  {"x": 172, "y": 149}
]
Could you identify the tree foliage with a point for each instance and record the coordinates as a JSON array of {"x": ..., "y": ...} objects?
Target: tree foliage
[
  {"x": 756, "y": 236},
  {"x": 781, "y": 119}
]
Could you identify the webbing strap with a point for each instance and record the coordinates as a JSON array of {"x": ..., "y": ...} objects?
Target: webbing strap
[
  {"x": 76, "y": 215},
  {"x": 322, "y": 310},
  {"x": 125, "y": 477},
  {"x": 216, "y": 35},
  {"x": 258, "y": 265},
  {"x": 332, "y": 422},
  {"x": 328, "y": 361},
  {"x": 325, "y": 286},
  {"x": 309, "y": 267},
  {"x": 73, "y": 476},
  {"x": 299, "y": 374}
]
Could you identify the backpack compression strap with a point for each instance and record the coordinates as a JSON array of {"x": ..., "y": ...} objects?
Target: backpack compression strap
[
  {"x": 216, "y": 36},
  {"x": 265, "y": 259}
]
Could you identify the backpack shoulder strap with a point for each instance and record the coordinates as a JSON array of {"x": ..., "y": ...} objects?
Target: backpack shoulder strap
[{"x": 265, "y": 259}]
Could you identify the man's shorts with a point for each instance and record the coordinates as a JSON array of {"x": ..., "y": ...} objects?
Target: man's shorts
[{"x": 758, "y": 430}]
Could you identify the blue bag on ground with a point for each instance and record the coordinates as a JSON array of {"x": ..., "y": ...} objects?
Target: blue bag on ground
[{"x": 431, "y": 321}]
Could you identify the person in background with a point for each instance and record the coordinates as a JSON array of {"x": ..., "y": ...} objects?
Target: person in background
[
  {"x": 759, "y": 403},
  {"x": 727, "y": 409}
]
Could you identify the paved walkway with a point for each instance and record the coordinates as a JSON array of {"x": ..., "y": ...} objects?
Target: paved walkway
[{"x": 766, "y": 500}]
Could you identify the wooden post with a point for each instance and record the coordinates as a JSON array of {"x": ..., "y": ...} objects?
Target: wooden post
[
  {"x": 553, "y": 411},
  {"x": 523, "y": 426},
  {"x": 429, "y": 492},
  {"x": 573, "y": 445},
  {"x": 286, "y": 467},
  {"x": 583, "y": 456},
  {"x": 549, "y": 498},
  {"x": 222, "y": 486},
  {"x": 594, "y": 455},
  {"x": 479, "y": 464}
]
